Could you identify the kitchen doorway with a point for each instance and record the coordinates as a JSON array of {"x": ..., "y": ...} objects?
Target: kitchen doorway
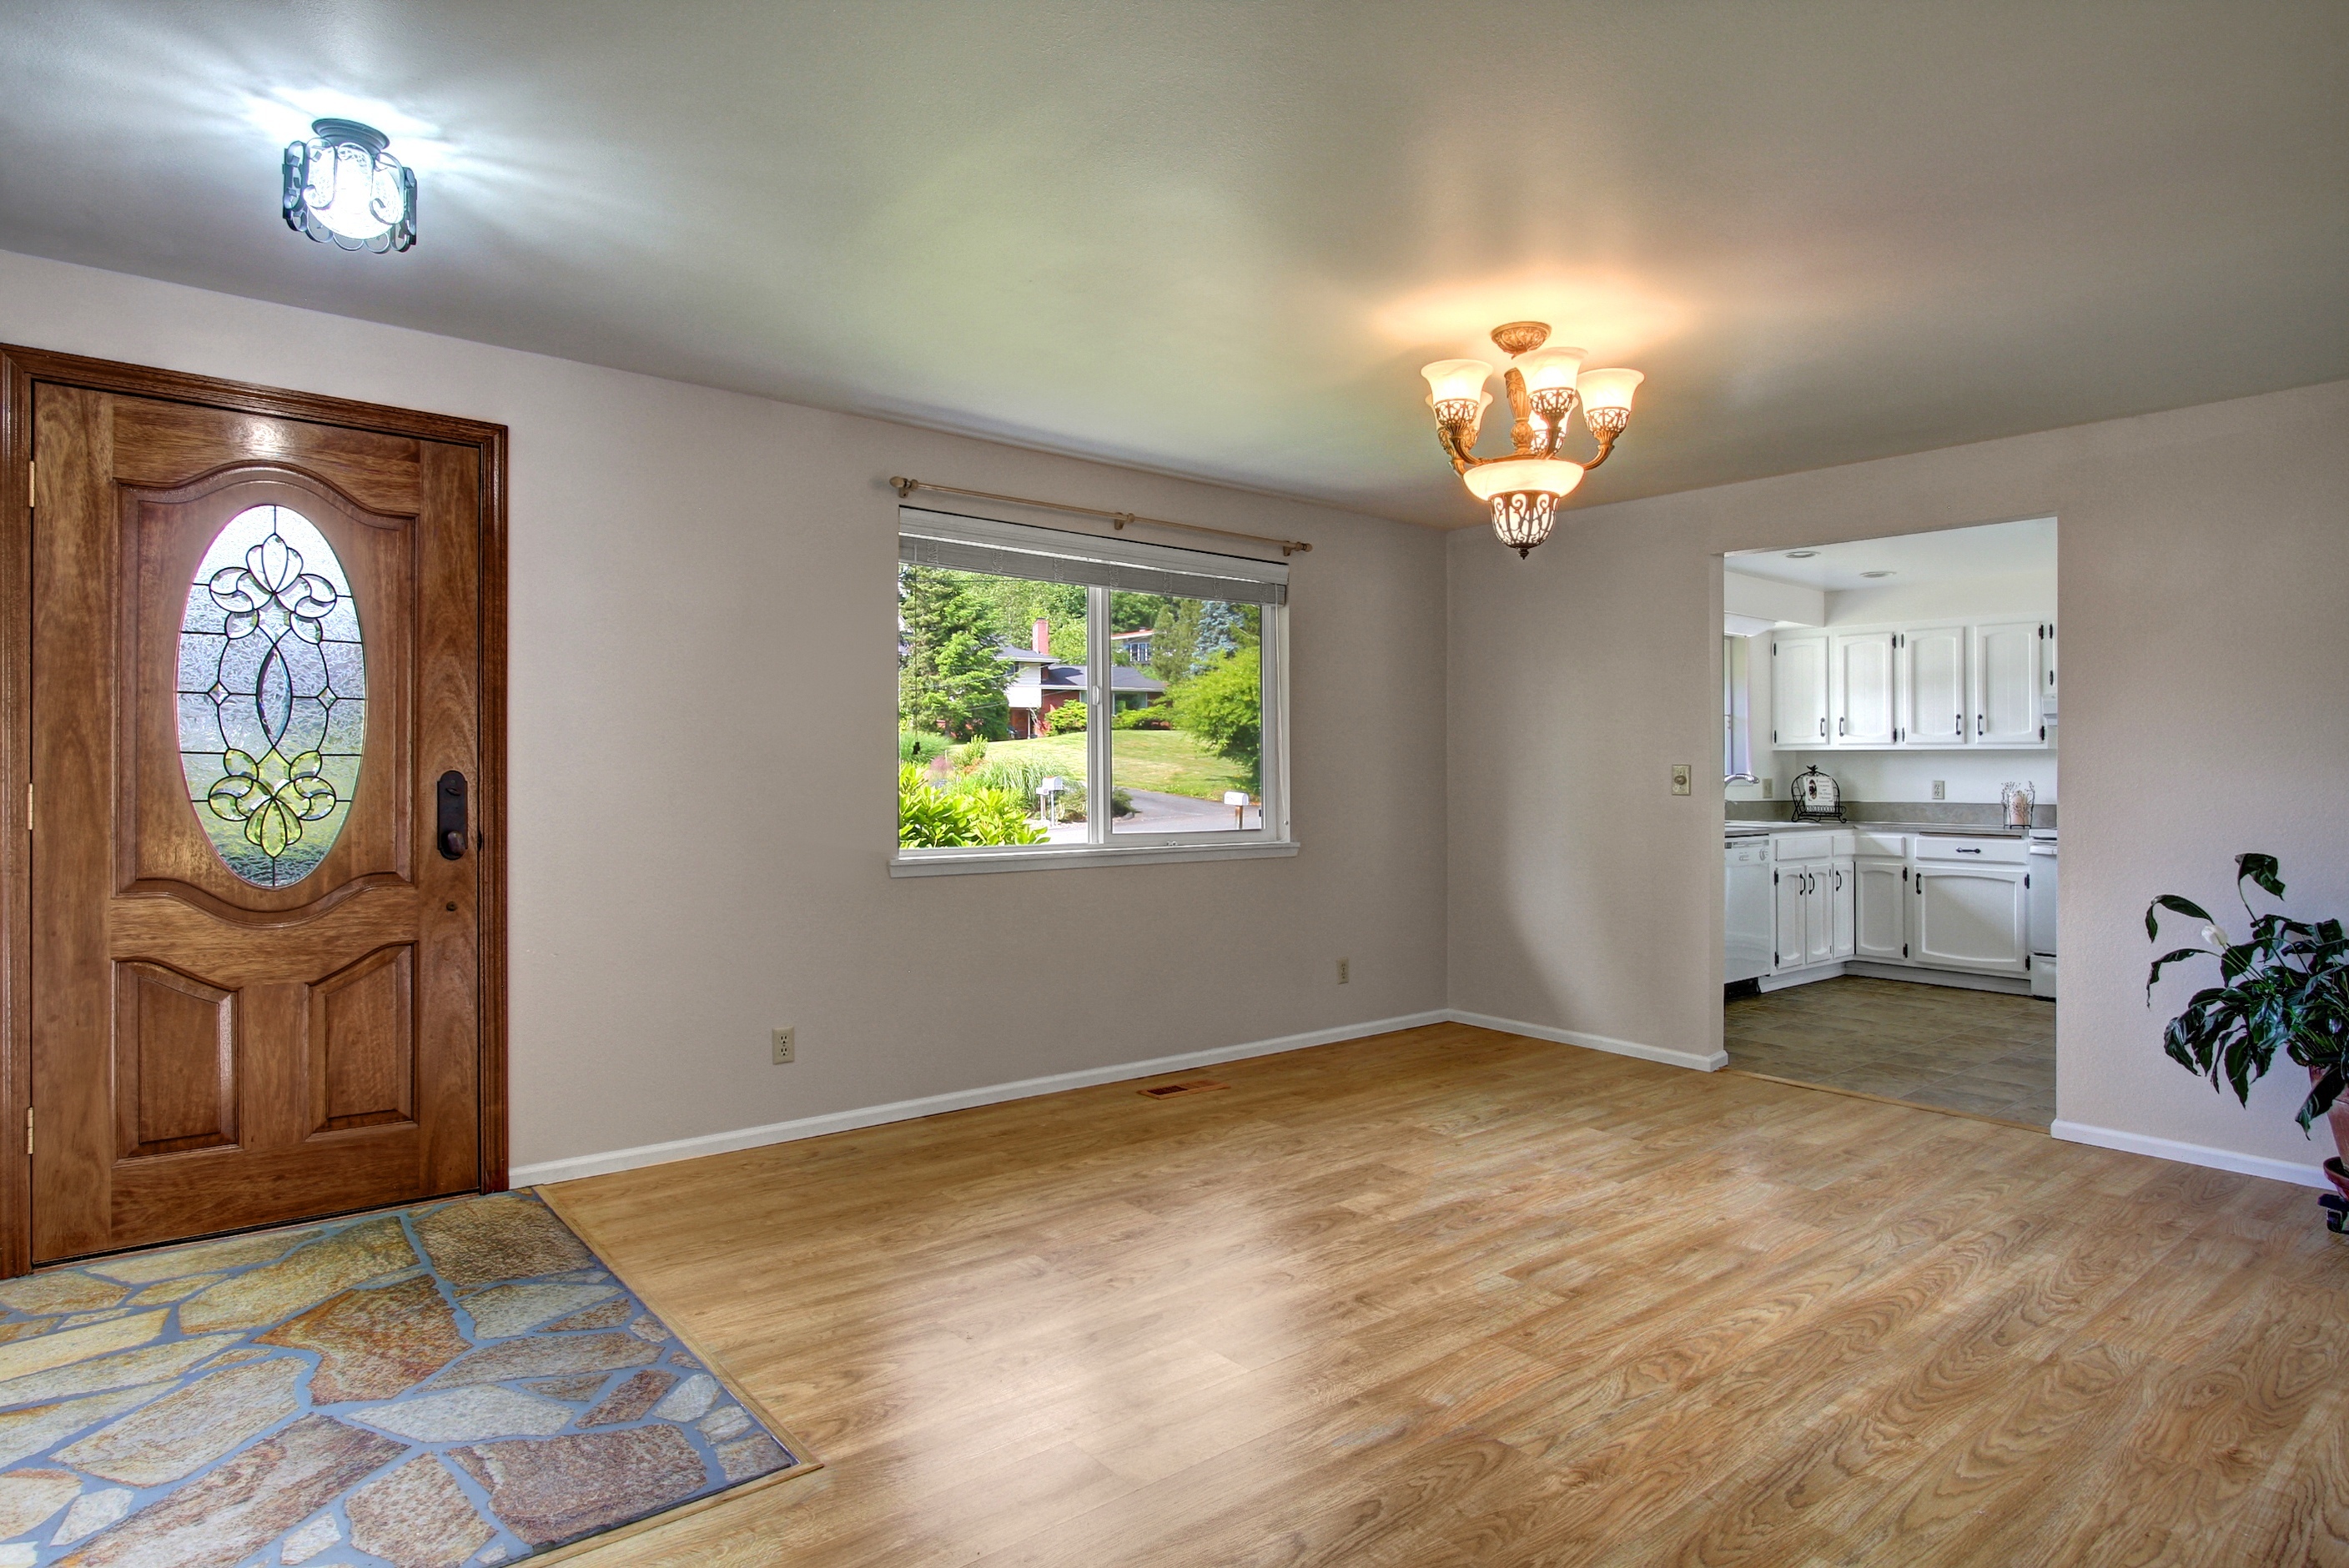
[{"x": 1889, "y": 838}]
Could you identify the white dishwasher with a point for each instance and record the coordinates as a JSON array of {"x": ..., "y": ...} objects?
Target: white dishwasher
[{"x": 1749, "y": 933}]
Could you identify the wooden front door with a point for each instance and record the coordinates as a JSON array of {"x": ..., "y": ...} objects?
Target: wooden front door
[{"x": 257, "y": 818}]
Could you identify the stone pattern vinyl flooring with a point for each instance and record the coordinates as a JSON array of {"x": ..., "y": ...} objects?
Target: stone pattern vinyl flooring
[
  {"x": 455, "y": 1384},
  {"x": 1982, "y": 1052}
]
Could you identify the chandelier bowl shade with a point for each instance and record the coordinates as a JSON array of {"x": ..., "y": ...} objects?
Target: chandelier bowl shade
[
  {"x": 1551, "y": 369},
  {"x": 1549, "y": 476},
  {"x": 1449, "y": 380}
]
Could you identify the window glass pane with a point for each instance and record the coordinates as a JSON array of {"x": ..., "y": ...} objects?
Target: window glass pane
[
  {"x": 1187, "y": 740},
  {"x": 272, "y": 695},
  {"x": 990, "y": 710}
]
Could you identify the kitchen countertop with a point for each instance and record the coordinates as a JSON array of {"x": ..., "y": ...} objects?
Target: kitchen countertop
[{"x": 1939, "y": 829}]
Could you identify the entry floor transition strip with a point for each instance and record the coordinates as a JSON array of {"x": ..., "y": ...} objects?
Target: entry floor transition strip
[{"x": 462, "y": 1382}]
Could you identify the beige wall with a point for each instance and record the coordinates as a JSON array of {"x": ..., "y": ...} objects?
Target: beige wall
[
  {"x": 704, "y": 623},
  {"x": 2204, "y": 603}
]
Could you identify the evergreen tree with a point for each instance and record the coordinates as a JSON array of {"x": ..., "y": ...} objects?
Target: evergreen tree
[{"x": 952, "y": 677}]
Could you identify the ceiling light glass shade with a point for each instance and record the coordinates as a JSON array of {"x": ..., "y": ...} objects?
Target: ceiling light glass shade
[
  {"x": 344, "y": 188},
  {"x": 1549, "y": 476},
  {"x": 1607, "y": 388},
  {"x": 1454, "y": 380},
  {"x": 1551, "y": 369}
]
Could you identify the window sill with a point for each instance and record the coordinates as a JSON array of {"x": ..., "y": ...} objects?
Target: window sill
[{"x": 951, "y": 862}]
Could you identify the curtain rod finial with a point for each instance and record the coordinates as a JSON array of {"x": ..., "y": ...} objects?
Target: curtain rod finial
[{"x": 904, "y": 487}]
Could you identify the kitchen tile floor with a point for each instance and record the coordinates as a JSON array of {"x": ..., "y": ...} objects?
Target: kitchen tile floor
[{"x": 1982, "y": 1052}]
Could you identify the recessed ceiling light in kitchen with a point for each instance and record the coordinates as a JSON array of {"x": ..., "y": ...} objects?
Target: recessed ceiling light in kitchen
[
  {"x": 1800, "y": 554},
  {"x": 1876, "y": 574}
]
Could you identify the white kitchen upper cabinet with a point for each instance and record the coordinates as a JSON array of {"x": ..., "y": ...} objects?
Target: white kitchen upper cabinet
[
  {"x": 1863, "y": 689},
  {"x": 1842, "y": 892},
  {"x": 1971, "y": 917},
  {"x": 1881, "y": 917},
  {"x": 1798, "y": 689},
  {"x": 2006, "y": 684},
  {"x": 1933, "y": 701}
]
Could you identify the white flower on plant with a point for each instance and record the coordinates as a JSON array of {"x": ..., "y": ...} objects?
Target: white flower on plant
[{"x": 2216, "y": 939}]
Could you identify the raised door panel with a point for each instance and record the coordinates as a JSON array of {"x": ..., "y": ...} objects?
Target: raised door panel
[
  {"x": 2007, "y": 709},
  {"x": 1863, "y": 686},
  {"x": 1843, "y": 892},
  {"x": 1880, "y": 912},
  {"x": 175, "y": 1077},
  {"x": 1818, "y": 915},
  {"x": 1933, "y": 706},
  {"x": 1798, "y": 691},
  {"x": 363, "y": 1043},
  {"x": 1975, "y": 919},
  {"x": 1788, "y": 887}
]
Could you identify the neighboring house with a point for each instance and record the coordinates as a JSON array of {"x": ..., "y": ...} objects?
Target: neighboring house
[
  {"x": 1038, "y": 685},
  {"x": 1133, "y": 647}
]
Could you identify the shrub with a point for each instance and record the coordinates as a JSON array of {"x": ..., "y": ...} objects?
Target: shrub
[
  {"x": 919, "y": 746},
  {"x": 1157, "y": 716},
  {"x": 1069, "y": 718},
  {"x": 1225, "y": 709},
  {"x": 930, "y": 817},
  {"x": 1072, "y": 804}
]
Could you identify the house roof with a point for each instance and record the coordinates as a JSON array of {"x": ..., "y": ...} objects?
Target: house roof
[{"x": 1121, "y": 678}]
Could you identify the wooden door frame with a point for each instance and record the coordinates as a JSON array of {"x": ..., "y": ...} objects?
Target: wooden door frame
[{"x": 21, "y": 369}]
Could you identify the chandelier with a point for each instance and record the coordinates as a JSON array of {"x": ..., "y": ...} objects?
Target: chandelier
[
  {"x": 1526, "y": 486},
  {"x": 345, "y": 189}
]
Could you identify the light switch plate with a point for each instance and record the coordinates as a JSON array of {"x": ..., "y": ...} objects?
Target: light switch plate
[{"x": 1684, "y": 779}]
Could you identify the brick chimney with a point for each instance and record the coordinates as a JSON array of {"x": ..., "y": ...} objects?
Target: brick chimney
[{"x": 1040, "y": 636}]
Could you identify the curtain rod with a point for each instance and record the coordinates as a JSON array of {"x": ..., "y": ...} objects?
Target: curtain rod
[{"x": 1118, "y": 520}]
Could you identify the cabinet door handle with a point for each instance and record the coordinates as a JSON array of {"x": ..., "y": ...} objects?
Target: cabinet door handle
[
  {"x": 1981, "y": 725},
  {"x": 1823, "y": 726},
  {"x": 1843, "y": 727}
]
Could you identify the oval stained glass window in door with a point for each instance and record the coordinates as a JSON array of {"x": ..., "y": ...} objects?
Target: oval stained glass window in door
[{"x": 272, "y": 695}]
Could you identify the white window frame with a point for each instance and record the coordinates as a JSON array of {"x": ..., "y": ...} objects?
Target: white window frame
[{"x": 1105, "y": 566}]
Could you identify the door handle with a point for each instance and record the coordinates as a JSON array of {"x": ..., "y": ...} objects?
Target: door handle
[
  {"x": 1823, "y": 726},
  {"x": 451, "y": 824}
]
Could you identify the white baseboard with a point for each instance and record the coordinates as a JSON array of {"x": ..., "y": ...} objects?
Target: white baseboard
[
  {"x": 1663, "y": 1054},
  {"x": 580, "y": 1165},
  {"x": 2308, "y": 1175}
]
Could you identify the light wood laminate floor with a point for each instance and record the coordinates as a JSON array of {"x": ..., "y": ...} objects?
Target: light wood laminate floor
[
  {"x": 1448, "y": 1297},
  {"x": 1984, "y": 1053}
]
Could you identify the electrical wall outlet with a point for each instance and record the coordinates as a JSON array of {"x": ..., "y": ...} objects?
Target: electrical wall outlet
[
  {"x": 1345, "y": 972},
  {"x": 1940, "y": 789},
  {"x": 786, "y": 1046},
  {"x": 1768, "y": 785},
  {"x": 1684, "y": 777}
]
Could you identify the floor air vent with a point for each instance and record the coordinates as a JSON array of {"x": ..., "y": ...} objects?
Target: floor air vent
[{"x": 1165, "y": 1091}]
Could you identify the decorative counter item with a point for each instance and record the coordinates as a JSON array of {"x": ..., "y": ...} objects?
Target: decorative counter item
[
  {"x": 2015, "y": 801},
  {"x": 2284, "y": 987}
]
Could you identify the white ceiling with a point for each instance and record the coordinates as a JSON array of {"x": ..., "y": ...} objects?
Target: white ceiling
[
  {"x": 1218, "y": 239},
  {"x": 1914, "y": 560}
]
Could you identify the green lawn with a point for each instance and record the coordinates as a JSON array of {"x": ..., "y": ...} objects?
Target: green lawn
[{"x": 1167, "y": 761}]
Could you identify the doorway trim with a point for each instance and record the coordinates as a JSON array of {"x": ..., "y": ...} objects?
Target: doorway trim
[{"x": 21, "y": 369}]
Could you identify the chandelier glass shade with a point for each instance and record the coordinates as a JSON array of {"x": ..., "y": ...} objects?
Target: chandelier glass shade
[
  {"x": 342, "y": 188},
  {"x": 1544, "y": 387}
]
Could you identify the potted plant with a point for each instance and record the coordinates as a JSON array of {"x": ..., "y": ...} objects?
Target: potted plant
[{"x": 2285, "y": 987}]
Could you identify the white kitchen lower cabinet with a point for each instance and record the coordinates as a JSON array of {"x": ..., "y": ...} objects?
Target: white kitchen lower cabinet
[
  {"x": 1815, "y": 915},
  {"x": 1970, "y": 917},
  {"x": 1882, "y": 934}
]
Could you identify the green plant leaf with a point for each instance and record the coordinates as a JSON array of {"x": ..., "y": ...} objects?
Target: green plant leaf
[
  {"x": 2260, "y": 868},
  {"x": 2174, "y": 955},
  {"x": 2172, "y": 901}
]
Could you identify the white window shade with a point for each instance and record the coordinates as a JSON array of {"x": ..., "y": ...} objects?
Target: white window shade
[{"x": 1056, "y": 555}]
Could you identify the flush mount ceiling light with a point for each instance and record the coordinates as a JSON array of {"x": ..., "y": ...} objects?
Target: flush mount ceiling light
[
  {"x": 1876, "y": 574},
  {"x": 1800, "y": 554},
  {"x": 341, "y": 186},
  {"x": 1526, "y": 486}
]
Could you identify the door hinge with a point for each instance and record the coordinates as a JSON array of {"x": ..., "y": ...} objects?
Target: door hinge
[
  {"x": 29, "y": 807},
  {"x": 2043, "y": 732},
  {"x": 32, "y": 485},
  {"x": 28, "y": 1132},
  {"x": 2026, "y": 879},
  {"x": 1904, "y": 950}
]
